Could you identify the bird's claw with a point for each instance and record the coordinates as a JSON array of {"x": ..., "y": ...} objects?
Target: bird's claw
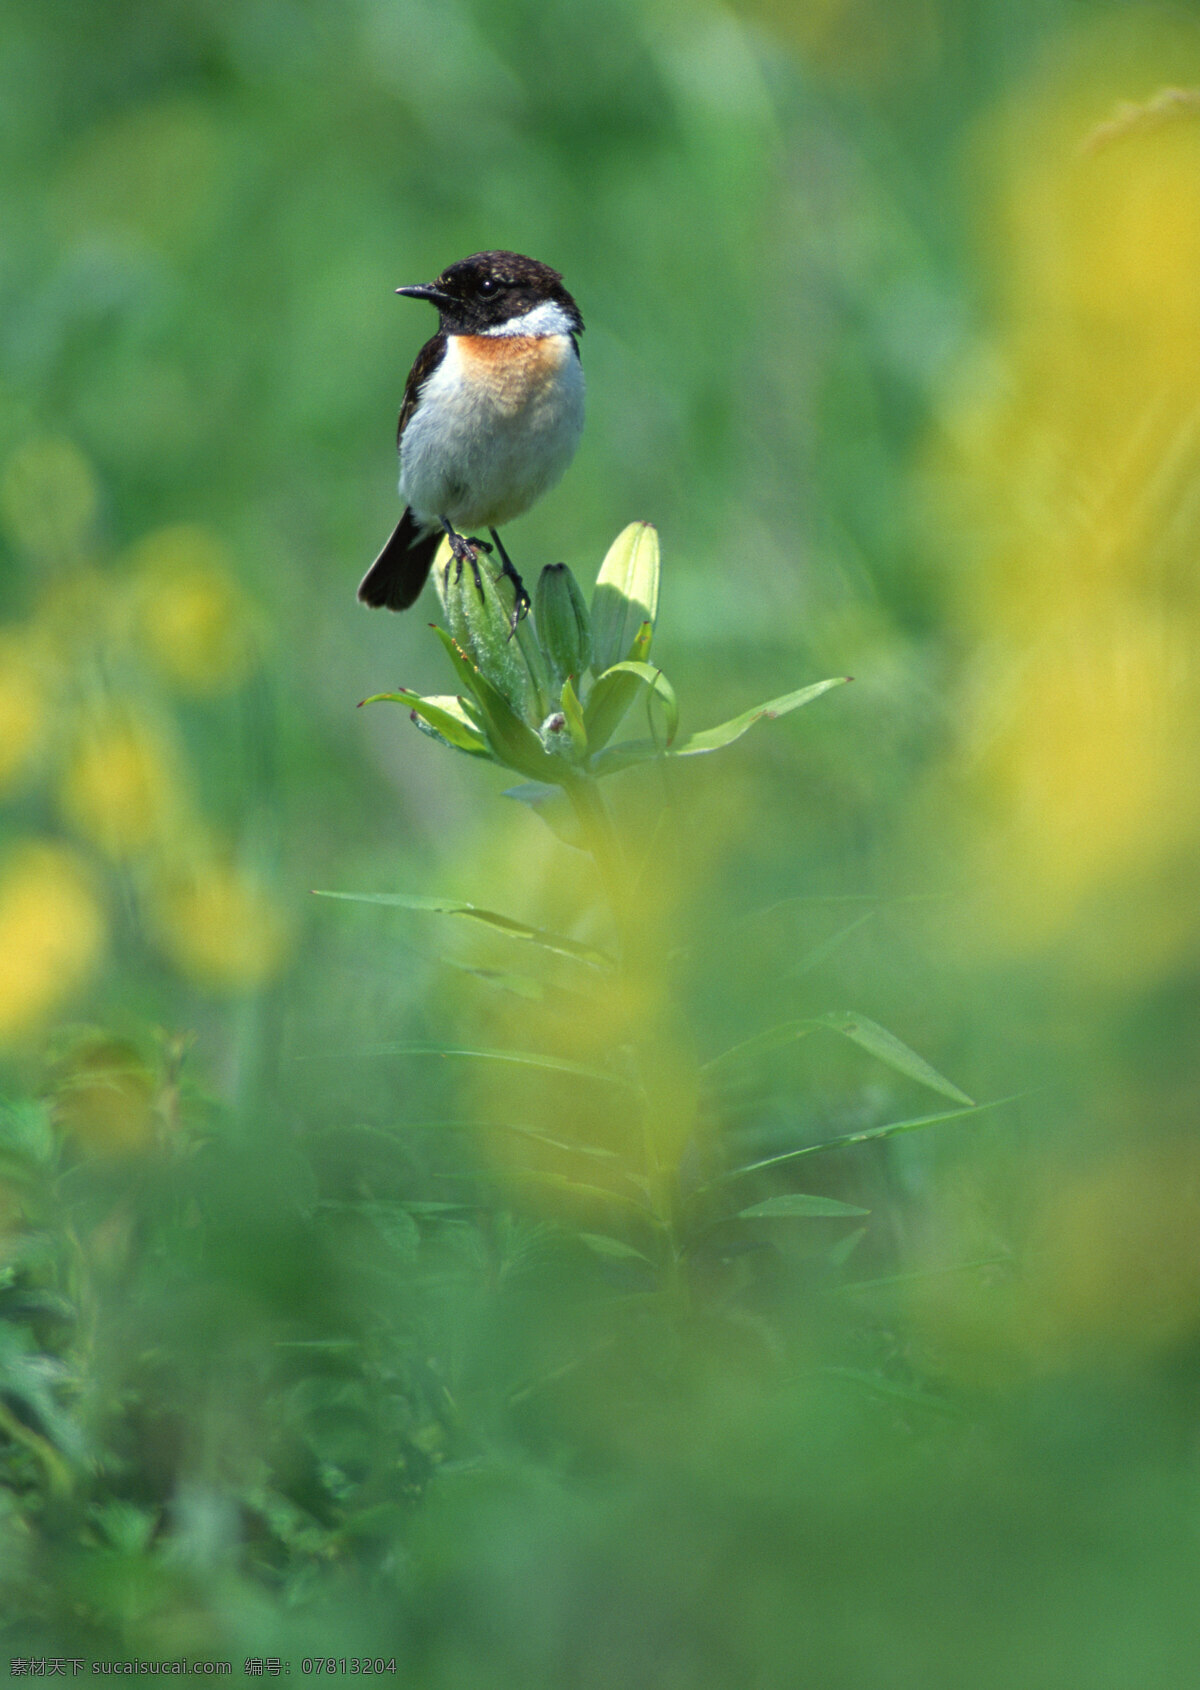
[{"x": 522, "y": 605}]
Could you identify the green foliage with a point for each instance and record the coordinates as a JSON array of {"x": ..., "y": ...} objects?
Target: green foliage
[{"x": 617, "y": 1315}]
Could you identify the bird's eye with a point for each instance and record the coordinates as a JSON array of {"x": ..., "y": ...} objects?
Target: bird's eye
[{"x": 488, "y": 285}]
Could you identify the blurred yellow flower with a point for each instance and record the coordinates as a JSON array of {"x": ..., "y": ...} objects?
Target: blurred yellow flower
[
  {"x": 104, "y": 1096},
  {"x": 52, "y": 932},
  {"x": 191, "y": 617},
  {"x": 122, "y": 788},
  {"x": 221, "y": 928},
  {"x": 1110, "y": 1272},
  {"x": 1067, "y": 489},
  {"x": 24, "y": 716},
  {"x": 48, "y": 498}
]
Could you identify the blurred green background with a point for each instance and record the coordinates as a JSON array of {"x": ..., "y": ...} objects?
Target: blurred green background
[{"x": 893, "y": 331}]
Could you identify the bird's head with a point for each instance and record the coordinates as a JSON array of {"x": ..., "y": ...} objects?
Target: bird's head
[{"x": 497, "y": 293}]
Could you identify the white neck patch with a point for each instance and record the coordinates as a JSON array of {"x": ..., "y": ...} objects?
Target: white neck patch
[{"x": 545, "y": 319}]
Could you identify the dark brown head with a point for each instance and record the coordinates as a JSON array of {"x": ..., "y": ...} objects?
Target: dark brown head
[{"x": 500, "y": 293}]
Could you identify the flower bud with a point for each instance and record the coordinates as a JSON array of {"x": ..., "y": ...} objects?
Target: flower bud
[
  {"x": 479, "y": 620},
  {"x": 563, "y": 625},
  {"x": 555, "y": 734}
]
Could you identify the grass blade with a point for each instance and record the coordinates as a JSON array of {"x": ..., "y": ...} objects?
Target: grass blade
[
  {"x": 888, "y": 1048},
  {"x": 517, "y": 1058},
  {"x": 868, "y": 1136},
  {"x": 774, "y": 1038},
  {"x": 798, "y": 1205},
  {"x": 505, "y": 924}
]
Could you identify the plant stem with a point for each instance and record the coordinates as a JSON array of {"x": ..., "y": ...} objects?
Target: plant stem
[{"x": 604, "y": 844}]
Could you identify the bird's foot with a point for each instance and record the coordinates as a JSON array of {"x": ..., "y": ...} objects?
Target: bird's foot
[
  {"x": 522, "y": 604},
  {"x": 464, "y": 550}
]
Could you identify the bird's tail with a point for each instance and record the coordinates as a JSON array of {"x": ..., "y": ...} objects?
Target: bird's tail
[{"x": 396, "y": 577}]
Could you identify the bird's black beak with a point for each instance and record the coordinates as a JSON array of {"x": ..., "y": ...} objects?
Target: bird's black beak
[{"x": 429, "y": 291}]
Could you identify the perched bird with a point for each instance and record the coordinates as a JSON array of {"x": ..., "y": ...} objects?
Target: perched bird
[{"x": 491, "y": 417}]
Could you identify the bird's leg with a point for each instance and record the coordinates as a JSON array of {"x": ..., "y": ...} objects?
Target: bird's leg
[
  {"x": 521, "y": 602},
  {"x": 463, "y": 551}
]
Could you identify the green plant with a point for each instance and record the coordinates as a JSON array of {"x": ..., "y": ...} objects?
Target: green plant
[{"x": 546, "y": 702}]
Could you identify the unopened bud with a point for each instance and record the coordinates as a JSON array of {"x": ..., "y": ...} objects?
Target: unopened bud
[
  {"x": 479, "y": 618},
  {"x": 563, "y": 624}
]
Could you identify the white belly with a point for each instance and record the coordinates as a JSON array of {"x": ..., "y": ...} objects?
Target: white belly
[{"x": 492, "y": 431}]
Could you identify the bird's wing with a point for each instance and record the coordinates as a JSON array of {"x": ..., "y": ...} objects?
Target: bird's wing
[{"x": 426, "y": 362}]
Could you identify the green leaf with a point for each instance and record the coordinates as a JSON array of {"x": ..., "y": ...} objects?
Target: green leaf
[
  {"x": 505, "y": 924},
  {"x": 888, "y": 1048},
  {"x": 635, "y": 751},
  {"x": 544, "y": 1180},
  {"x": 597, "y": 1150},
  {"x": 845, "y": 1247},
  {"x": 449, "y": 724},
  {"x": 658, "y": 684},
  {"x": 869, "y": 1135},
  {"x": 876, "y": 1385},
  {"x": 574, "y": 714},
  {"x": 798, "y": 1204},
  {"x": 868, "y": 1034},
  {"x": 626, "y": 595},
  {"x": 481, "y": 1129},
  {"x": 616, "y": 1247},
  {"x": 892, "y": 1281},
  {"x": 715, "y": 739},
  {"x": 817, "y": 955},
  {"x": 502, "y": 980},
  {"x": 614, "y": 691},
  {"x": 512, "y": 740},
  {"x": 772, "y": 1038},
  {"x": 516, "y": 1058}
]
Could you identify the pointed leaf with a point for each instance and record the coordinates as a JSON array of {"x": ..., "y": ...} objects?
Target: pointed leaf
[
  {"x": 479, "y": 1129},
  {"x": 817, "y": 955},
  {"x": 574, "y": 714},
  {"x": 652, "y": 677},
  {"x": 893, "y": 1129},
  {"x": 516, "y": 1058},
  {"x": 502, "y": 980},
  {"x": 513, "y": 741},
  {"x": 800, "y": 1205},
  {"x": 613, "y": 692},
  {"x": 634, "y": 751},
  {"x": 505, "y": 924},
  {"x": 616, "y": 1247},
  {"x": 868, "y": 1034},
  {"x": 444, "y": 716},
  {"x": 772, "y": 1038},
  {"x": 544, "y": 1180},
  {"x": 626, "y": 594},
  {"x": 715, "y": 739},
  {"x": 845, "y": 1247},
  {"x": 888, "y": 1048}
]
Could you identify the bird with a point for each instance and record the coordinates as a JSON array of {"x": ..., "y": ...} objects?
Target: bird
[{"x": 491, "y": 416}]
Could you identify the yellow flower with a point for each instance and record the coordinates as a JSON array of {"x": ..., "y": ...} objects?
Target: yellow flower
[
  {"x": 105, "y": 1096},
  {"x": 221, "y": 928},
  {"x": 1066, "y": 483},
  {"x": 122, "y": 788},
  {"x": 190, "y": 615},
  {"x": 48, "y": 497},
  {"x": 52, "y": 932}
]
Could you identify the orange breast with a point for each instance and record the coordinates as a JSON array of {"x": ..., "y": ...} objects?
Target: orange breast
[{"x": 515, "y": 369}]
